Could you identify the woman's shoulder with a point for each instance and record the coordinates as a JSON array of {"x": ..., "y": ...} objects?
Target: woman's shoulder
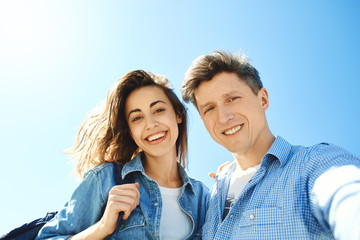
[
  {"x": 102, "y": 171},
  {"x": 102, "y": 176},
  {"x": 197, "y": 184},
  {"x": 103, "y": 167}
]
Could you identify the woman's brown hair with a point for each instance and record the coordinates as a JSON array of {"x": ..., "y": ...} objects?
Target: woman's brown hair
[{"x": 105, "y": 136}]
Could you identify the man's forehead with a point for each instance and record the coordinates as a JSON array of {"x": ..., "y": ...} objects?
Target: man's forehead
[{"x": 207, "y": 99}]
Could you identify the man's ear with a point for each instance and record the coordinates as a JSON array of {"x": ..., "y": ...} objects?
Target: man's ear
[{"x": 264, "y": 98}]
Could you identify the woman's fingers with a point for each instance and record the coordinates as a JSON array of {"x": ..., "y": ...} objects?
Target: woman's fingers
[
  {"x": 212, "y": 175},
  {"x": 124, "y": 198},
  {"x": 219, "y": 169},
  {"x": 121, "y": 198}
]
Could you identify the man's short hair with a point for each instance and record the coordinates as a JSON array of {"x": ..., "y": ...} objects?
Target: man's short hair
[{"x": 205, "y": 67}]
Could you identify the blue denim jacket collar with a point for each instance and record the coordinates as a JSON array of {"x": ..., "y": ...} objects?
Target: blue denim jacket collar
[
  {"x": 144, "y": 220},
  {"x": 135, "y": 165}
]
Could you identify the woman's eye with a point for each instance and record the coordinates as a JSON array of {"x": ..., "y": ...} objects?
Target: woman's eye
[
  {"x": 135, "y": 119},
  {"x": 159, "y": 110}
]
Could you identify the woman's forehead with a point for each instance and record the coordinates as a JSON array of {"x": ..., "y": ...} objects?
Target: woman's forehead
[{"x": 145, "y": 97}]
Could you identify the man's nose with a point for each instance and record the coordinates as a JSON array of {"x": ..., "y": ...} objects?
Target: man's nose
[{"x": 225, "y": 114}]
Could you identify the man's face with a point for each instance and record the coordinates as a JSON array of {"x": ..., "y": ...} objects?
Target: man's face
[{"x": 233, "y": 115}]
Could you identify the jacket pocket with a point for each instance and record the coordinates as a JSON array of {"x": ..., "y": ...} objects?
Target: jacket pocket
[
  {"x": 261, "y": 216},
  {"x": 133, "y": 227}
]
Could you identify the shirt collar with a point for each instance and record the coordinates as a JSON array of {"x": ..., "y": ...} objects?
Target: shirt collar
[
  {"x": 280, "y": 149},
  {"x": 135, "y": 165}
]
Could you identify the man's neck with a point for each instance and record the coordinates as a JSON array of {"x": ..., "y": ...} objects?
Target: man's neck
[{"x": 254, "y": 156}]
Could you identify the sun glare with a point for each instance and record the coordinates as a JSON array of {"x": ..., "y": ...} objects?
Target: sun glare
[{"x": 20, "y": 27}]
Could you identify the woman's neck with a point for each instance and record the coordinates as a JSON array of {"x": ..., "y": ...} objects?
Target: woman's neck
[{"x": 163, "y": 170}]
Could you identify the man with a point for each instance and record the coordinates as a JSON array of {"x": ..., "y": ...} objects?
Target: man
[{"x": 273, "y": 190}]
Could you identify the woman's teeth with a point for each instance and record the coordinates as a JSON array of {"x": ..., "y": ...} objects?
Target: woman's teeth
[{"x": 156, "y": 136}]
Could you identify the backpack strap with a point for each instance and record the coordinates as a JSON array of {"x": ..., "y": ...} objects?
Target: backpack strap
[
  {"x": 28, "y": 231},
  {"x": 117, "y": 168}
]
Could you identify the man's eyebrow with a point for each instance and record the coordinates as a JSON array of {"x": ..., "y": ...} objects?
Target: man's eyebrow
[
  {"x": 156, "y": 102},
  {"x": 204, "y": 105},
  {"x": 225, "y": 95},
  {"x": 229, "y": 94}
]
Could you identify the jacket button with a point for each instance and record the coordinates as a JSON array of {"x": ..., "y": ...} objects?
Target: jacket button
[
  {"x": 252, "y": 216},
  {"x": 155, "y": 204}
]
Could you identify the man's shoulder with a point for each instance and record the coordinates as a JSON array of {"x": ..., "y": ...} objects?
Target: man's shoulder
[
  {"x": 308, "y": 155},
  {"x": 322, "y": 155},
  {"x": 314, "y": 149},
  {"x": 326, "y": 149}
]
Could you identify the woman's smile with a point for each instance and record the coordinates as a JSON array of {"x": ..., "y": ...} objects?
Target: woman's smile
[{"x": 157, "y": 137}]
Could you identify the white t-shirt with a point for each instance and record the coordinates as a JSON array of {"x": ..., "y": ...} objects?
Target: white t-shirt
[
  {"x": 238, "y": 181},
  {"x": 174, "y": 223}
]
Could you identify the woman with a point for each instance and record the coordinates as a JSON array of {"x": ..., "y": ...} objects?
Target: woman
[{"x": 142, "y": 125}]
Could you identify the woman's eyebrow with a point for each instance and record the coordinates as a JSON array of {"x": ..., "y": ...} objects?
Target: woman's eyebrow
[
  {"x": 151, "y": 105},
  {"x": 134, "y": 110},
  {"x": 156, "y": 102}
]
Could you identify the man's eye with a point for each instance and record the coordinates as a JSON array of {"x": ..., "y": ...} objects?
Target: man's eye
[
  {"x": 232, "y": 99},
  {"x": 208, "y": 109}
]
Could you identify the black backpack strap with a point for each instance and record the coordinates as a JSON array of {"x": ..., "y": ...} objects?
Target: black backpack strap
[
  {"x": 28, "y": 231},
  {"x": 117, "y": 167}
]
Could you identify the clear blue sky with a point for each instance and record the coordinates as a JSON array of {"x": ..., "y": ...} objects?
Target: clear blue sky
[{"x": 59, "y": 58}]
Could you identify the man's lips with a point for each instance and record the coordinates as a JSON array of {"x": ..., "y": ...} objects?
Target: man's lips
[{"x": 233, "y": 130}]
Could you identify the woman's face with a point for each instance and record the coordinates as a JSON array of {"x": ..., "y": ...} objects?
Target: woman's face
[{"x": 152, "y": 121}]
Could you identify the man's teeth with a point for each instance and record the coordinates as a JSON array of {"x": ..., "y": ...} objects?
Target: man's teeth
[
  {"x": 233, "y": 130},
  {"x": 156, "y": 136}
]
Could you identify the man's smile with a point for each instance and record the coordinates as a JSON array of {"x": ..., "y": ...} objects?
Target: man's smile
[{"x": 233, "y": 130}]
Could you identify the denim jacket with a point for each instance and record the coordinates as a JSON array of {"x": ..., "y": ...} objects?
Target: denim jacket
[{"x": 88, "y": 202}]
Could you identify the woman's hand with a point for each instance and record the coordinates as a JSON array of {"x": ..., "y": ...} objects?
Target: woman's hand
[
  {"x": 220, "y": 168},
  {"x": 122, "y": 198}
]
